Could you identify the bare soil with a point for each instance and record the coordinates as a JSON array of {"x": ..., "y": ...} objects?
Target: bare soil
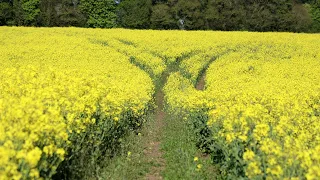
[
  {"x": 152, "y": 150},
  {"x": 201, "y": 83}
]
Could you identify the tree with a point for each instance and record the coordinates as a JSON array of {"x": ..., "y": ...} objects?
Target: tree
[
  {"x": 99, "y": 13},
  {"x": 31, "y": 11},
  {"x": 48, "y": 14},
  {"x": 61, "y": 13},
  {"x": 253, "y": 15},
  {"x": 189, "y": 13},
  {"x": 315, "y": 15},
  {"x": 161, "y": 17},
  {"x": 271, "y": 15},
  {"x": 69, "y": 14},
  {"x": 302, "y": 18},
  {"x": 225, "y": 15},
  {"x": 134, "y": 13},
  {"x": 26, "y": 12},
  {"x": 6, "y": 13}
]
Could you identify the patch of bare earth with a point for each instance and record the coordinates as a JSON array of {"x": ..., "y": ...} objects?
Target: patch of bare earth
[
  {"x": 152, "y": 150},
  {"x": 201, "y": 83}
]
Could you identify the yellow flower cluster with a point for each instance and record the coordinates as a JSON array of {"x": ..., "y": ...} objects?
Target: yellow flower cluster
[
  {"x": 192, "y": 66},
  {"x": 181, "y": 95},
  {"x": 54, "y": 83},
  {"x": 270, "y": 101},
  {"x": 263, "y": 98},
  {"x": 152, "y": 64}
]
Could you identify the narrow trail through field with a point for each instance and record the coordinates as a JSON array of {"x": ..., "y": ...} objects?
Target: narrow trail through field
[
  {"x": 165, "y": 148},
  {"x": 168, "y": 146},
  {"x": 153, "y": 151}
]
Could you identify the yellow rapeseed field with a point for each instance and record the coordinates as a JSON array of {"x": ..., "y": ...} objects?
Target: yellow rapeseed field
[
  {"x": 267, "y": 99},
  {"x": 261, "y": 105},
  {"x": 258, "y": 117},
  {"x": 54, "y": 84}
]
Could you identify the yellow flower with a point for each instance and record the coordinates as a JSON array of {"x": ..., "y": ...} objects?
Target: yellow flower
[
  {"x": 195, "y": 159},
  {"x": 253, "y": 169},
  {"x": 61, "y": 152},
  {"x": 34, "y": 173},
  {"x": 248, "y": 155},
  {"x": 116, "y": 119},
  {"x": 277, "y": 170},
  {"x": 33, "y": 157},
  {"x": 199, "y": 166},
  {"x": 243, "y": 138}
]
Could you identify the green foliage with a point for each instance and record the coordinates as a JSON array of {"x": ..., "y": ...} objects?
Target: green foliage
[
  {"x": 302, "y": 18},
  {"x": 275, "y": 15},
  {"x": 315, "y": 15},
  {"x": 228, "y": 158},
  {"x": 17, "y": 13},
  {"x": 134, "y": 13},
  {"x": 131, "y": 161},
  {"x": 99, "y": 13},
  {"x": 70, "y": 14},
  {"x": 30, "y": 11},
  {"x": 161, "y": 18},
  {"x": 180, "y": 153},
  {"x": 190, "y": 12},
  {"x": 26, "y": 12},
  {"x": 227, "y": 15},
  {"x": 48, "y": 15},
  {"x": 60, "y": 13},
  {"x": 5, "y": 13},
  {"x": 102, "y": 141}
]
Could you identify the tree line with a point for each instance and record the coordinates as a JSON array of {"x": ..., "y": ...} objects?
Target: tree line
[{"x": 251, "y": 15}]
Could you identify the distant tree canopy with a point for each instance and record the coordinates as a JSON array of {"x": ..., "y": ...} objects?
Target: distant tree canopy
[
  {"x": 99, "y": 13},
  {"x": 251, "y": 15}
]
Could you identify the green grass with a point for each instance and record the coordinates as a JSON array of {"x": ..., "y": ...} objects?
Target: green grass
[
  {"x": 179, "y": 152},
  {"x": 130, "y": 163}
]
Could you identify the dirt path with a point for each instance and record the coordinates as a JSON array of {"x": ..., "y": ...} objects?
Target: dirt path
[
  {"x": 201, "y": 83},
  {"x": 153, "y": 151}
]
